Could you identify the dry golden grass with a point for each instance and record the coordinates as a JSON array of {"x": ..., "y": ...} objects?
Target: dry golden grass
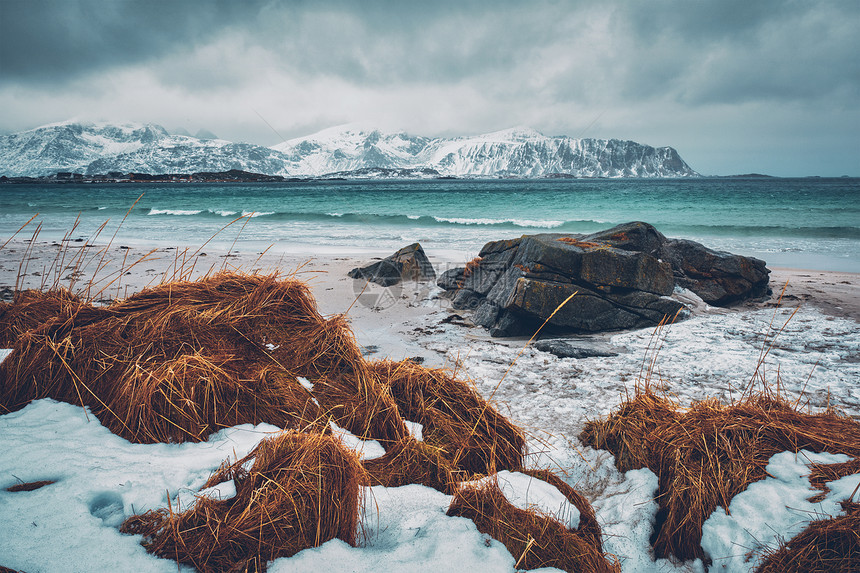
[
  {"x": 29, "y": 486},
  {"x": 301, "y": 491},
  {"x": 471, "y": 435},
  {"x": 32, "y": 308},
  {"x": 589, "y": 528},
  {"x": 410, "y": 461},
  {"x": 534, "y": 540},
  {"x": 825, "y": 546},
  {"x": 823, "y": 473},
  {"x": 171, "y": 363},
  {"x": 471, "y": 266},
  {"x": 705, "y": 455}
]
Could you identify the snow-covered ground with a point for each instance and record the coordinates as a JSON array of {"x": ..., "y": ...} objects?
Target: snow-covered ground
[{"x": 101, "y": 479}]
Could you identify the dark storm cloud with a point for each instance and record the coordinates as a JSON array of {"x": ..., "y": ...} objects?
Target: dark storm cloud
[
  {"x": 700, "y": 75},
  {"x": 48, "y": 41},
  {"x": 699, "y": 52},
  {"x": 736, "y": 51}
]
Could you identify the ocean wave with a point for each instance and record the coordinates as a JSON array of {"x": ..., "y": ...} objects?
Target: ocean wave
[
  {"x": 692, "y": 230},
  {"x": 175, "y": 212},
  {"x": 494, "y": 222},
  {"x": 369, "y": 218}
]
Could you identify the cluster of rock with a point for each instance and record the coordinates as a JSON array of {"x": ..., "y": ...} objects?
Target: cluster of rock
[{"x": 621, "y": 277}]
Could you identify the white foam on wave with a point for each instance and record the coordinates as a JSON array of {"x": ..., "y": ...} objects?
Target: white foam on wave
[
  {"x": 516, "y": 222},
  {"x": 254, "y": 214},
  {"x": 224, "y": 213},
  {"x": 179, "y": 212}
]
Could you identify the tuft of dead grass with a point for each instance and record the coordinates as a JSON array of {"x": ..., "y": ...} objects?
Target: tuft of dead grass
[
  {"x": 823, "y": 473},
  {"x": 705, "y": 455},
  {"x": 470, "y": 433},
  {"x": 534, "y": 540},
  {"x": 472, "y": 266},
  {"x": 589, "y": 528},
  {"x": 181, "y": 360},
  {"x": 29, "y": 486},
  {"x": 825, "y": 546},
  {"x": 32, "y": 308},
  {"x": 300, "y": 491},
  {"x": 410, "y": 461}
]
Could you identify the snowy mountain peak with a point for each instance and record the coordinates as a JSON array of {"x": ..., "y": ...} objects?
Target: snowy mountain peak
[
  {"x": 92, "y": 148},
  {"x": 331, "y": 135},
  {"x": 514, "y": 134},
  {"x": 127, "y": 130}
]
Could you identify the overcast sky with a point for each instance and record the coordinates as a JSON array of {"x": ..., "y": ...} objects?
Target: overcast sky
[{"x": 735, "y": 86}]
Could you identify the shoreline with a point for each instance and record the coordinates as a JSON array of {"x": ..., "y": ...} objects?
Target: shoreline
[{"x": 835, "y": 293}]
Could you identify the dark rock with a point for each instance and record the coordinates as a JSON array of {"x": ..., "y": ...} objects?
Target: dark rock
[
  {"x": 621, "y": 277},
  {"x": 635, "y": 236},
  {"x": 385, "y": 273},
  {"x": 582, "y": 349},
  {"x": 590, "y": 310},
  {"x": 452, "y": 279},
  {"x": 409, "y": 263},
  {"x": 465, "y": 299},
  {"x": 717, "y": 277}
]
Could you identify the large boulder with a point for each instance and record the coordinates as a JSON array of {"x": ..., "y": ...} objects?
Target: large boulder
[
  {"x": 719, "y": 278},
  {"x": 408, "y": 263},
  {"x": 622, "y": 278}
]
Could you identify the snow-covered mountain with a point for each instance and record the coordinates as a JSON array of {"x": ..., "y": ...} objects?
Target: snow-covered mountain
[
  {"x": 96, "y": 148},
  {"x": 518, "y": 152},
  {"x": 93, "y": 148}
]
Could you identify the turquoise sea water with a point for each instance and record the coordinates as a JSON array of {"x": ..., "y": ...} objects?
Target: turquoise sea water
[{"x": 800, "y": 223}]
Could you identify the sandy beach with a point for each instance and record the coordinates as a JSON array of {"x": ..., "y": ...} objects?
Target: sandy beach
[{"x": 373, "y": 311}]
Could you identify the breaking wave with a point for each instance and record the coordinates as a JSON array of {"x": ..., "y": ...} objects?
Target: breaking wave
[{"x": 554, "y": 225}]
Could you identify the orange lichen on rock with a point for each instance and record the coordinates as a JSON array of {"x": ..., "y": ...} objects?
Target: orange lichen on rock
[{"x": 581, "y": 244}]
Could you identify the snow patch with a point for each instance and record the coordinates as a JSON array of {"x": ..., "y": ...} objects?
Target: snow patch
[
  {"x": 532, "y": 494},
  {"x": 415, "y": 429},
  {"x": 774, "y": 509},
  {"x": 364, "y": 449}
]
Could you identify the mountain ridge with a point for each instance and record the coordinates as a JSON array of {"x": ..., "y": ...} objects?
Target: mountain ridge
[{"x": 93, "y": 148}]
